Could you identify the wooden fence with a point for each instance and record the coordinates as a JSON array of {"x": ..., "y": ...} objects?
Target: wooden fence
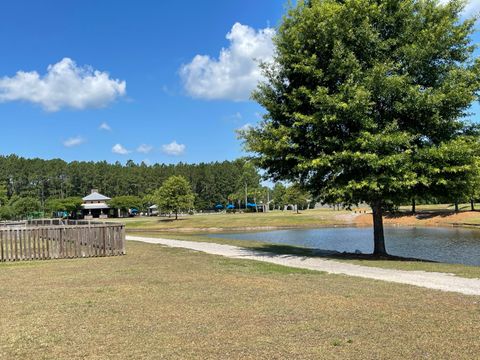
[{"x": 39, "y": 239}]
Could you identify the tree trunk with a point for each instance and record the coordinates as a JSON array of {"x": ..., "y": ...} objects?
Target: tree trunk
[
  {"x": 456, "y": 206},
  {"x": 414, "y": 206},
  {"x": 472, "y": 205},
  {"x": 378, "y": 234},
  {"x": 176, "y": 214}
]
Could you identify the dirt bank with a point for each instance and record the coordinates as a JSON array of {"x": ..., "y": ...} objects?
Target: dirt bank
[{"x": 423, "y": 219}]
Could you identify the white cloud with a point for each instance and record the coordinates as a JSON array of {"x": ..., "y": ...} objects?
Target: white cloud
[
  {"x": 73, "y": 141},
  {"x": 174, "y": 148},
  {"x": 237, "y": 116},
  {"x": 233, "y": 118},
  {"x": 120, "y": 149},
  {"x": 105, "y": 126},
  {"x": 245, "y": 127},
  {"x": 472, "y": 7},
  {"x": 64, "y": 85},
  {"x": 144, "y": 148},
  {"x": 236, "y": 72}
]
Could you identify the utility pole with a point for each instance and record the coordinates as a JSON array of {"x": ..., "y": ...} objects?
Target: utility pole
[
  {"x": 267, "y": 209},
  {"x": 246, "y": 196}
]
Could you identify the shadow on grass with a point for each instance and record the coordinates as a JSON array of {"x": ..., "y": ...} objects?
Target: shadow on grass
[
  {"x": 274, "y": 249},
  {"x": 169, "y": 220}
]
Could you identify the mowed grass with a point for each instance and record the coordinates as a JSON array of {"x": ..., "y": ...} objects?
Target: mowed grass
[
  {"x": 456, "y": 269},
  {"x": 159, "y": 302},
  {"x": 222, "y": 221}
]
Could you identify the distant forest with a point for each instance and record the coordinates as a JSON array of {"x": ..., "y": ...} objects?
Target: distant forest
[{"x": 212, "y": 183}]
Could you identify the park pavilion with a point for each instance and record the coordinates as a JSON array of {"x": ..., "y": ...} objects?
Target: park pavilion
[{"x": 95, "y": 205}]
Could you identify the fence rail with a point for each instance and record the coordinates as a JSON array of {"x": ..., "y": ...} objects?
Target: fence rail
[{"x": 39, "y": 241}]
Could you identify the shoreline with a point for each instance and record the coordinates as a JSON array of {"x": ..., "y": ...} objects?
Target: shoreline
[{"x": 421, "y": 219}]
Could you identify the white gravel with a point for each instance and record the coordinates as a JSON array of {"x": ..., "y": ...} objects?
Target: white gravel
[{"x": 430, "y": 280}]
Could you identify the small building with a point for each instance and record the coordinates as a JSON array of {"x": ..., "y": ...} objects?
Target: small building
[
  {"x": 95, "y": 205},
  {"x": 153, "y": 210},
  {"x": 262, "y": 207},
  {"x": 292, "y": 207}
]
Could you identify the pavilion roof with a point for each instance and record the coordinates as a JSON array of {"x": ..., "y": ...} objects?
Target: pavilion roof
[{"x": 95, "y": 196}]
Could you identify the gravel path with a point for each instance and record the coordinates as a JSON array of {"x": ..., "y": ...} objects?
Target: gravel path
[{"x": 431, "y": 280}]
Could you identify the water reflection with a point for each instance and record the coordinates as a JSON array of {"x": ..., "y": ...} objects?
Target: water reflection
[{"x": 451, "y": 245}]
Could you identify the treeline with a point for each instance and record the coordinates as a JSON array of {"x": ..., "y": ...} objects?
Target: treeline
[{"x": 212, "y": 183}]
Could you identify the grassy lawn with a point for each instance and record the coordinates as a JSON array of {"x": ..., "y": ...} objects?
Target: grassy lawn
[
  {"x": 308, "y": 218},
  {"x": 167, "y": 303},
  {"x": 457, "y": 269}
]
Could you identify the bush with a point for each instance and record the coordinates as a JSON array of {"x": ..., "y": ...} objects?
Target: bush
[{"x": 6, "y": 213}]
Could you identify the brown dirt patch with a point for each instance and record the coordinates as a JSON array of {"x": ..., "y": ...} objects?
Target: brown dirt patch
[{"x": 420, "y": 219}]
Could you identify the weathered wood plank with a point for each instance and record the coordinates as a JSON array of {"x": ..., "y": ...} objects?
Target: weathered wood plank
[
  {"x": 34, "y": 244},
  {"x": 48, "y": 244},
  {"x": 15, "y": 239},
  {"x": 7, "y": 245},
  {"x": 44, "y": 242},
  {"x": 1, "y": 246}
]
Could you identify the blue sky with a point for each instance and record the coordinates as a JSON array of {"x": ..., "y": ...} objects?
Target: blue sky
[{"x": 141, "y": 80}]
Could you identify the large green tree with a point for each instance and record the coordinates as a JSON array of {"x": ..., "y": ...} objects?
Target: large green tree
[
  {"x": 126, "y": 202},
  {"x": 295, "y": 195},
  {"x": 69, "y": 204},
  {"x": 175, "y": 195},
  {"x": 23, "y": 207},
  {"x": 247, "y": 185},
  {"x": 363, "y": 95},
  {"x": 278, "y": 195}
]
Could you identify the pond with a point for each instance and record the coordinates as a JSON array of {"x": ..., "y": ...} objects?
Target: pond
[{"x": 450, "y": 245}]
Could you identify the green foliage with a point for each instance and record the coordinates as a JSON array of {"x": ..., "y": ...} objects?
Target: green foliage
[
  {"x": 24, "y": 206},
  {"x": 365, "y": 100},
  {"x": 247, "y": 185},
  {"x": 57, "y": 179},
  {"x": 175, "y": 195},
  {"x": 364, "y": 96},
  {"x": 278, "y": 195},
  {"x": 451, "y": 170},
  {"x": 6, "y": 212},
  {"x": 126, "y": 202},
  {"x": 297, "y": 196},
  {"x": 68, "y": 204},
  {"x": 148, "y": 200},
  {"x": 249, "y": 176},
  {"x": 3, "y": 194}
]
